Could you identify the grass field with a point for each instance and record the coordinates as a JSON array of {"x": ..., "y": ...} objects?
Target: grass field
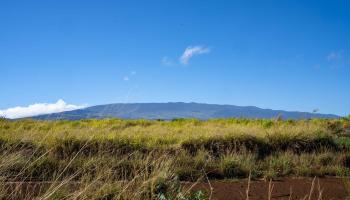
[{"x": 141, "y": 159}]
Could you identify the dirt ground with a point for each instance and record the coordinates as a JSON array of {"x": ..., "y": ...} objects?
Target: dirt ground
[
  {"x": 283, "y": 189},
  {"x": 288, "y": 188}
]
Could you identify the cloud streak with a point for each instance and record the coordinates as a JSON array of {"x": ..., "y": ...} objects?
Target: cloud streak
[
  {"x": 334, "y": 56},
  {"x": 38, "y": 109},
  {"x": 192, "y": 51},
  {"x": 166, "y": 61},
  {"x": 128, "y": 77}
]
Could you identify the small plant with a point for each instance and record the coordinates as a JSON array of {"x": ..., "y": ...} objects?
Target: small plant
[
  {"x": 172, "y": 189},
  {"x": 325, "y": 159},
  {"x": 232, "y": 169},
  {"x": 344, "y": 160},
  {"x": 281, "y": 165}
]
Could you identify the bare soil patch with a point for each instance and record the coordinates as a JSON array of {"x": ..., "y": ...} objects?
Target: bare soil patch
[
  {"x": 283, "y": 189},
  {"x": 287, "y": 188}
]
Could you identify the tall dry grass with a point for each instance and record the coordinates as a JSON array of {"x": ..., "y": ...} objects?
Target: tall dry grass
[{"x": 140, "y": 159}]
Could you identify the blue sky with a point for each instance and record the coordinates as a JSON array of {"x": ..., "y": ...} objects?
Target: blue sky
[{"x": 291, "y": 55}]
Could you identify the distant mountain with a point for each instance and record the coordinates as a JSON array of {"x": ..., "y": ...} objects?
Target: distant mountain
[{"x": 169, "y": 111}]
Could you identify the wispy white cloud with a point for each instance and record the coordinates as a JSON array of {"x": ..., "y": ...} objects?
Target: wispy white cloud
[
  {"x": 334, "y": 56},
  {"x": 192, "y": 51},
  {"x": 166, "y": 61},
  {"x": 128, "y": 77},
  {"x": 38, "y": 109}
]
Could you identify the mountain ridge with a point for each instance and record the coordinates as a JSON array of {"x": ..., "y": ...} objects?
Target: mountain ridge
[{"x": 172, "y": 110}]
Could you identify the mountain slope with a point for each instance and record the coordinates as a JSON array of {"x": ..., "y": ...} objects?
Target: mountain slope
[{"x": 176, "y": 110}]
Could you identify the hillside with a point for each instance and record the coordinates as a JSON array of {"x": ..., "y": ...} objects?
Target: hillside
[{"x": 169, "y": 111}]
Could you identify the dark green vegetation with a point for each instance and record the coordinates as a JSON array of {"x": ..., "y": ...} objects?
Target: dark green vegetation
[
  {"x": 141, "y": 159},
  {"x": 177, "y": 110}
]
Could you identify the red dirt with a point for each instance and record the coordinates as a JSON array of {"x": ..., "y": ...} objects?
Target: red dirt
[
  {"x": 288, "y": 188},
  {"x": 284, "y": 189}
]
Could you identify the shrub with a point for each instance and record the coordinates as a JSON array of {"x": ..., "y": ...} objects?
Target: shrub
[
  {"x": 325, "y": 159},
  {"x": 281, "y": 164},
  {"x": 231, "y": 168},
  {"x": 344, "y": 160}
]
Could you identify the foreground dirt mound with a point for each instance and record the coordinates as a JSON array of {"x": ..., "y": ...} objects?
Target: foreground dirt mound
[{"x": 288, "y": 188}]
